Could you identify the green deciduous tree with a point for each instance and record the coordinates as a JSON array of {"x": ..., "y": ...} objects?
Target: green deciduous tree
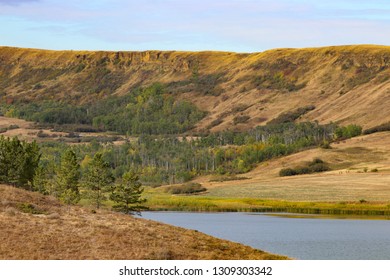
[
  {"x": 98, "y": 179},
  {"x": 348, "y": 131},
  {"x": 127, "y": 194}
]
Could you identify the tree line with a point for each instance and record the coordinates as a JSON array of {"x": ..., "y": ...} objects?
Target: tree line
[
  {"x": 21, "y": 166},
  {"x": 173, "y": 159},
  {"x": 147, "y": 110},
  {"x": 105, "y": 171}
]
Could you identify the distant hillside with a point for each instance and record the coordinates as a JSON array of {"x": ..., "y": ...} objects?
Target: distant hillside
[{"x": 346, "y": 84}]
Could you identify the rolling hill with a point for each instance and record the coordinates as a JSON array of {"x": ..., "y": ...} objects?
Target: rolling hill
[
  {"x": 345, "y": 84},
  {"x": 38, "y": 227},
  {"x": 360, "y": 170}
]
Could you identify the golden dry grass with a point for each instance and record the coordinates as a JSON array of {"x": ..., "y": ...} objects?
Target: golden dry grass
[
  {"x": 348, "y": 180},
  {"x": 327, "y": 72},
  {"x": 59, "y": 232},
  {"x": 27, "y": 131}
]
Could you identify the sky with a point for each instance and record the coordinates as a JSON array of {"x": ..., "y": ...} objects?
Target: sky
[{"x": 193, "y": 25}]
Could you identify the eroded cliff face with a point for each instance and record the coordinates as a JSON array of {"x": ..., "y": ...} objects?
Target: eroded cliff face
[{"x": 347, "y": 84}]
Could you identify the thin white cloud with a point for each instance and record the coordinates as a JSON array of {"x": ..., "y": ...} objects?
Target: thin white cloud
[
  {"x": 239, "y": 25},
  {"x": 15, "y": 2}
]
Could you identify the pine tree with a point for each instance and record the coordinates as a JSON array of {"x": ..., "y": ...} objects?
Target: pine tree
[
  {"x": 127, "y": 195},
  {"x": 39, "y": 182},
  {"x": 18, "y": 161},
  {"x": 98, "y": 179},
  {"x": 31, "y": 161},
  {"x": 67, "y": 178}
]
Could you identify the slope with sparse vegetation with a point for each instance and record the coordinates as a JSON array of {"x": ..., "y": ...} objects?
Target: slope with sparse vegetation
[
  {"x": 343, "y": 84},
  {"x": 37, "y": 227}
]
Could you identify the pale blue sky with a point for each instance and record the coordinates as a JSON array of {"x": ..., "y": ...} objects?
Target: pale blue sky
[{"x": 228, "y": 25}]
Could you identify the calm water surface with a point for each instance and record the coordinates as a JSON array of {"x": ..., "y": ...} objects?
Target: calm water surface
[{"x": 299, "y": 238}]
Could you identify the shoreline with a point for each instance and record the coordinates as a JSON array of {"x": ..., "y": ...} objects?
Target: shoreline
[{"x": 251, "y": 205}]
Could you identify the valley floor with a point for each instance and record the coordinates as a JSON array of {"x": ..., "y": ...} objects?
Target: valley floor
[{"x": 360, "y": 170}]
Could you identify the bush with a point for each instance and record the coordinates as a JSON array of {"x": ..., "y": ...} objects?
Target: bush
[
  {"x": 325, "y": 145},
  {"x": 303, "y": 170},
  {"x": 319, "y": 167},
  {"x": 379, "y": 128},
  {"x": 188, "y": 188},
  {"x": 316, "y": 161},
  {"x": 209, "y": 84},
  {"x": 13, "y": 126},
  {"x": 278, "y": 81},
  {"x": 348, "y": 131},
  {"x": 228, "y": 178},
  {"x": 292, "y": 116},
  {"x": 287, "y": 172},
  {"x": 29, "y": 208},
  {"x": 240, "y": 119},
  {"x": 214, "y": 123},
  {"x": 315, "y": 166}
]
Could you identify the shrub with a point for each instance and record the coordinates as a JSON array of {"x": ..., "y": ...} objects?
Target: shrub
[
  {"x": 239, "y": 108},
  {"x": 29, "y": 208},
  {"x": 379, "y": 128},
  {"x": 292, "y": 116},
  {"x": 303, "y": 170},
  {"x": 41, "y": 134},
  {"x": 278, "y": 81},
  {"x": 316, "y": 161},
  {"x": 215, "y": 123},
  {"x": 188, "y": 188},
  {"x": 315, "y": 166},
  {"x": 240, "y": 119},
  {"x": 13, "y": 126},
  {"x": 325, "y": 145},
  {"x": 209, "y": 84},
  {"x": 287, "y": 172},
  {"x": 348, "y": 131},
  {"x": 228, "y": 178},
  {"x": 319, "y": 167}
]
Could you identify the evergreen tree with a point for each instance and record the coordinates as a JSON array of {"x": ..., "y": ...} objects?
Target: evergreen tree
[
  {"x": 18, "y": 161},
  {"x": 11, "y": 160},
  {"x": 70, "y": 197},
  {"x": 31, "y": 161},
  {"x": 98, "y": 179},
  {"x": 39, "y": 181},
  {"x": 127, "y": 195},
  {"x": 67, "y": 178}
]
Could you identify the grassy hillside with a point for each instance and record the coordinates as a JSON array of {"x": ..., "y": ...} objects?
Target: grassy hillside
[
  {"x": 357, "y": 184},
  {"x": 33, "y": 226},
  {"x": 346, "y": 84},
  {"x": 360, "y": 170}
]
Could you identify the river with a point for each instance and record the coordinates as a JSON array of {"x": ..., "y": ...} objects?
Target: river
[{"x": 307, "y": 238}]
